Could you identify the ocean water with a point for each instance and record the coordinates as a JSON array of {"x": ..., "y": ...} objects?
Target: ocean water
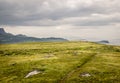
[
  {"x": 115, "y": 42},
  {"x": 111, "y": 42}
]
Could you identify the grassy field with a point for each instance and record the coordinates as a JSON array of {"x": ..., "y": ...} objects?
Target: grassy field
[{"x": 60, "y": 62}]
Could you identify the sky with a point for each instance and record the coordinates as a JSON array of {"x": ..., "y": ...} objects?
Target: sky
[{"x": 71, "y": 19}]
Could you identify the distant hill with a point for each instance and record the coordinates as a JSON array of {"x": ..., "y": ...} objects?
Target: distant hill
[
  {"x": 10, "y": 38},
  {"x": 103, "y": 41}
]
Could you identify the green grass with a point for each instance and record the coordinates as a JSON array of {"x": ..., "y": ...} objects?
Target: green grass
[{"x": 59, "y": 62}]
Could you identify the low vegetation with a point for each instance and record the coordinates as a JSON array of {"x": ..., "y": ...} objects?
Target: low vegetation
[{"x": 59, "y": 62}]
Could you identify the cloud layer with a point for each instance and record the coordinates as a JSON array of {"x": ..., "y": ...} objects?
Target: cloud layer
[
  {"x": 59, "y": 12},
  {"x": 72, "y": 19}
]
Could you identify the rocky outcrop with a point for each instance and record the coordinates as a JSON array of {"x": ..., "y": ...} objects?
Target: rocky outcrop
[
  {"x": 10, "y": 38},
  {"x": 2, "y": 31}
]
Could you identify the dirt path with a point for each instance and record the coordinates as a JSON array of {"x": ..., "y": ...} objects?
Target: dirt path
[{"x": 89, "y": 58}]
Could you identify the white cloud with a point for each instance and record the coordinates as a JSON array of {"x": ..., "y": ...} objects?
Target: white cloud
[
  {"x": 36, "y": 12},
  {"x": 62, "y": 18}
]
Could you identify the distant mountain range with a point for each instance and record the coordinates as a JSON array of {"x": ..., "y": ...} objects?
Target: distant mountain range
[{"x": 10, "y": 38}]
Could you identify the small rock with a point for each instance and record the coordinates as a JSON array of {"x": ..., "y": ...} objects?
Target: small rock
[
  {"x": 75, "y": 53},
  {"x": 85, "y": 75},
  {"x": 48, "y": 56},
  {"x": 13, "y": 64},
  {"x": 32, "y": 73}
]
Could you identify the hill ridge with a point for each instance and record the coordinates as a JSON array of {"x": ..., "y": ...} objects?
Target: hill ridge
[{"x": 10, "y": 38}]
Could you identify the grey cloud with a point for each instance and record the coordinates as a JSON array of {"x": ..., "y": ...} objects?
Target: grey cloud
[{"x": 58, "y": 12}]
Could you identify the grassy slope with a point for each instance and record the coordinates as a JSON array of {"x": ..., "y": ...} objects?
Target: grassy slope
[{"x": 59, "y": 62}]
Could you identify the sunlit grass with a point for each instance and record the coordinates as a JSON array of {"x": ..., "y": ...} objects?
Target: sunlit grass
[{"x": 59, "y": 62}]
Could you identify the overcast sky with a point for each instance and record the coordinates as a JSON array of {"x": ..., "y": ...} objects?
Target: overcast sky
[{"x": 72, "y": 19}]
